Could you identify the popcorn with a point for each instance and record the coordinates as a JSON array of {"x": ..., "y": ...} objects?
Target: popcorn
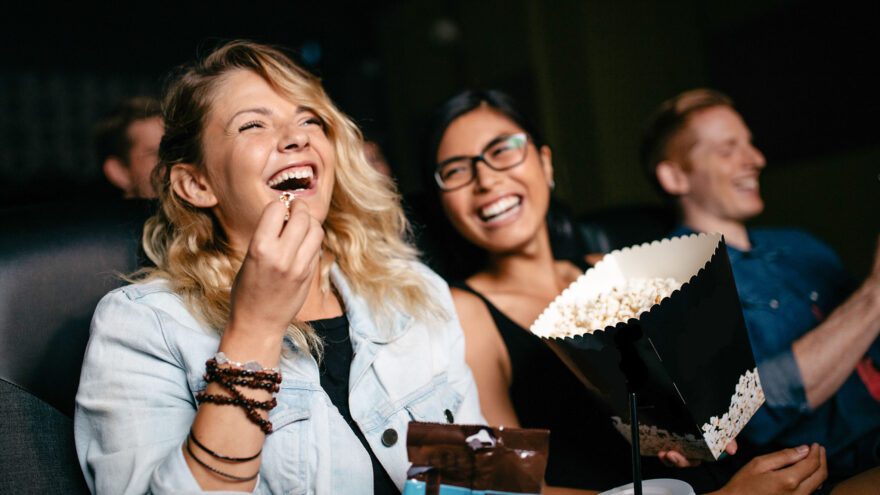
[
  {"x": 717, "y": 433},
  {"x": 286, "y": 199},
  {"x": 653, "y": 439},
  {"x": 622, "y": 302},
  {"x": 746, "y": 399}
]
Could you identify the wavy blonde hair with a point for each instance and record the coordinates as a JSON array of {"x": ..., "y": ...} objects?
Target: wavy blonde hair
[{"x": 365, "y": 228}]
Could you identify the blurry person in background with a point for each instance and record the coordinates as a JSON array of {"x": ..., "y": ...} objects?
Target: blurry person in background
[
  {"x": 127, "y": 145},
  {"x": 813, "y": 333}
]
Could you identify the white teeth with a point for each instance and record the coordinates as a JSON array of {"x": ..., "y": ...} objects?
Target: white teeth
[
  {"x": 500, "y": 206},
  {"x": 295, "y": 173},
  {"x": 749, "y": 183}
]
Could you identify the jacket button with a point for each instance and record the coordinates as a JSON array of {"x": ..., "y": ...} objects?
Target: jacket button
[
  {"x": 389, "y": 437},
  {"x": 449, "y": 417}
]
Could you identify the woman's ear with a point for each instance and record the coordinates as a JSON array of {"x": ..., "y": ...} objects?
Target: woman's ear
[
  {"x": 546, "y": 157},
  {"x": 672, "y": 178},
  {"x": 191, "y": 186}
]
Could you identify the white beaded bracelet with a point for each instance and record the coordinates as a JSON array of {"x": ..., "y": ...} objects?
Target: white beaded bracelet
[{"x": 250, "y": 365}]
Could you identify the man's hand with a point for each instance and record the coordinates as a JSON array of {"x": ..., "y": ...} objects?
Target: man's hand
[{"x": 796, "y": 471}]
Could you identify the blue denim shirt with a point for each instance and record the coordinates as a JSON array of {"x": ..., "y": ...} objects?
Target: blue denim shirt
[
  {"x": 144, "y": 365},
  {"x": 788, "y": 283}
]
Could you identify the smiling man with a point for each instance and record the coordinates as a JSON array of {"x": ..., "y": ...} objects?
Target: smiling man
[
  {"x": 813, "y": 336},
  {"x": 127, "y": 145}
]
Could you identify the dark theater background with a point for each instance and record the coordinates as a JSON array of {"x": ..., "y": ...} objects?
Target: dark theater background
[{"x": 804, "y": 73}]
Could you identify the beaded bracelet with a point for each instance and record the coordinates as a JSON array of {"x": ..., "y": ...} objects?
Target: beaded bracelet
[
  {"x": 250, "y": 375},
  {"x": 221, "y": 359},
  {"x": 249, "y": 406},
  {"x": 236, "y": 400},
  {"x": 211, "y": 366},
  {"x": 269, "y": 380},
  {"x": 270, "y": 385},
  {"x": 215, "y": 470}
]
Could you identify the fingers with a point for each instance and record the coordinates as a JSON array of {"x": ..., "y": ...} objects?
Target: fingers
[
  {"x": 780, "y": 458},
  {"x": 291, "y": 246},
  {"x": 271, "y": 221},
  {"x": 302, "y": 236},
  {"x": 309, "y": 248},
  {"x": 674, "y": 458},
  {"x": 793, "y": 476},
  {"x": 814, "y": 481},
  {"x": 276, "y": 217},
  {"x": 731, "y": 447},
  {"x": 297, "y": 226}
]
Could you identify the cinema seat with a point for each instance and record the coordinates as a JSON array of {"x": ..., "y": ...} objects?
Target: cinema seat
[{"x": 56, "y": 261}]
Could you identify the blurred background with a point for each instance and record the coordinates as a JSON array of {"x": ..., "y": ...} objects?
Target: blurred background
[{"x": 803, "y": 73}]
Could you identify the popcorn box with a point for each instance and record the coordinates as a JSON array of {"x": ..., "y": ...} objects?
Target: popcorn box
[{"x": 687, "y": 353}]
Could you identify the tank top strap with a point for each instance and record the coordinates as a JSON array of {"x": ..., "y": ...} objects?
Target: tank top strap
[{"x": 518, "y": 340}]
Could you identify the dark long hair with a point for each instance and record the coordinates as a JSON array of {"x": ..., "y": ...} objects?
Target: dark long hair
[
  {"x": 454, "y": 257},
  {"x": 469, "y": 100}
]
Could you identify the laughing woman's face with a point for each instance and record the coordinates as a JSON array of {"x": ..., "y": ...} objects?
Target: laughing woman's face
[
  {"x": 499, "y": 210},
  {"x": 257, "y": 144}
]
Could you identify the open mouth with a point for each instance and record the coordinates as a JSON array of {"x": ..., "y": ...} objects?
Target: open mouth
[
  {"x": 500, "y": 208},
  {"x": 749, "y": 184},
  {"x": 293, "y": 179}
]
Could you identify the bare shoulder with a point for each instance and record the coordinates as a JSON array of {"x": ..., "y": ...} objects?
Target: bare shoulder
[
  {"x": 476, "y": 321},
  {"x": 472, "y": 311},
  {"x": 467, "y": 303}
]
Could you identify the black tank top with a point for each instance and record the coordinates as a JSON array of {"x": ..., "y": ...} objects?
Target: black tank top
[
  {"x": 585, "y": 450},
  {"x": 334, "y": 369}
]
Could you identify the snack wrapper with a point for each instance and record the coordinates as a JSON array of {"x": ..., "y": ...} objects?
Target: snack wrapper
[
  {"x": 449, "y": 459},
  {"x": 688, "y": 356}
]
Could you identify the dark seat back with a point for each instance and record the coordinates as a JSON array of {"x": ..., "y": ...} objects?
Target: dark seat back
[
  {"x": 606, "y": 230},
  {"x": 37, "y": 453},
  {"x": 618, "y": 227},
  {"x": 56, "y": 261}
]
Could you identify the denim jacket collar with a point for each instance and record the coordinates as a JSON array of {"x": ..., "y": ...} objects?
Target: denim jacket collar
[{"x": 361, "y": 318}]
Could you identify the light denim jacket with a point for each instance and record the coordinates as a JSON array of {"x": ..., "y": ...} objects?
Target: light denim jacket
[{"x": 144, "y": 365}]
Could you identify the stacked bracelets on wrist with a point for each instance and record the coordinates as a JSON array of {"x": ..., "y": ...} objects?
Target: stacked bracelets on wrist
[{"x": 230, "y": 374}]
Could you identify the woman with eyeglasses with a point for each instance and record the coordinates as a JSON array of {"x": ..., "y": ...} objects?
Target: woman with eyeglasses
[
  {"x": 493, "y": 176},
  {"x": 287, "y": 334}
]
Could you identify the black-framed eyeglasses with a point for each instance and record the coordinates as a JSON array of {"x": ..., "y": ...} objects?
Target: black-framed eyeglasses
[{"x": 502, "y": 153}]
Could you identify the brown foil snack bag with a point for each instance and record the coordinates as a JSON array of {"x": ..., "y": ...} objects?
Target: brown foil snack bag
[{"x": 477, "y": 457}]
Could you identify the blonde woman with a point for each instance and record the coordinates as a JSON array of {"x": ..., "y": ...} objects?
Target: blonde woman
[{"x": 279, "y": 346}]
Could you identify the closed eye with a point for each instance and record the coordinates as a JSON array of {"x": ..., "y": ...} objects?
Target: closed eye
[
  {"x": 510, "y": 144},
  {"x": 451, "y": 169},
  {"x": 250, "y": 125},
  {"x": 314, "y": 121}
]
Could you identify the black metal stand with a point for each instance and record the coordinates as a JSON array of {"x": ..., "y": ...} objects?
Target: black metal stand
[
  {"x": 636, "y": 375},
  {"x": 636, "y": 456}
]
